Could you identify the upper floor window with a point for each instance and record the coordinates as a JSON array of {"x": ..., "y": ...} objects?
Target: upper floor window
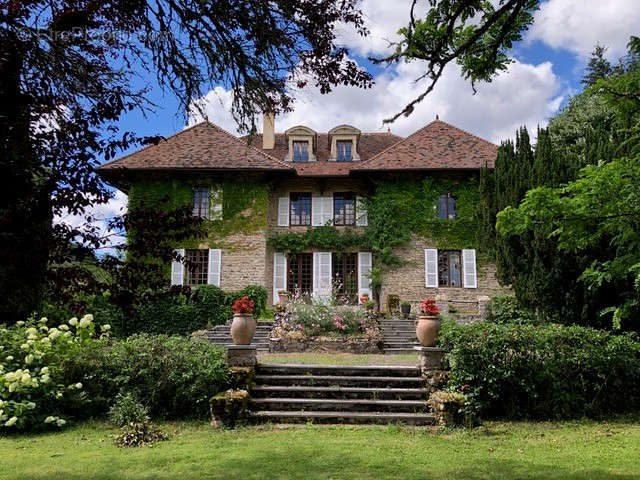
[
  {"x": 300, "y": 209},
  {"x": 447, "y": 207},
  {"x": 196, "y": 267},
  {"x": 344, "y": 209},
  {"x": 201, "y": 202},
  {"x": 344, "y": 150},
  {"x": 300, "y": 151},
  {"x": 449, "y": 268}
]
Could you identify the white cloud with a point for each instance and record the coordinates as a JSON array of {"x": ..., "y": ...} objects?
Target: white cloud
[
  {"x": 101, "y": 214},
  {"x": 577, "y": 25},
  {"x": 524, "y": 95}
]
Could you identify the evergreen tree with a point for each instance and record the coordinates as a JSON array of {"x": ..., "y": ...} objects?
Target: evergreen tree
[{"x": 597, "y": 68}]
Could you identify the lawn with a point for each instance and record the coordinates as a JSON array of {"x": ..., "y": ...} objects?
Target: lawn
[
  {"x": 339, "y": 358},
  {"x": 569, "y": 450}
]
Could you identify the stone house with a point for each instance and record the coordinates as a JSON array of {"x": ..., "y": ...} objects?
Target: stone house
[{"x": 288, "y": 185}]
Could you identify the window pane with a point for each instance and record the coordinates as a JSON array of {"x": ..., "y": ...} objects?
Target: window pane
[
  {"x": 443, "y": 268},
  {"x": 300, "y": 209},
  {"x": 344, "y": 150},
  {"x": 451, "y": 208},
  {"x": 300, "y": 151},
  {"x": 454, "y": 268},
  {"x": 299, "y": 273},
  {"x": 196, "y": 267},
  {"x": 442, "y": 207},
  {"x": 345, "y": 277},
  {"x": 201, "y": 202},
  {"x": 344, "y": 209}
]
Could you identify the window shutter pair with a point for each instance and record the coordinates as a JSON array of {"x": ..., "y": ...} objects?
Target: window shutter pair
[
  {"x": 321, "y": 210},
  {"x": 322, "y": 275},
  {"x": 213, "y": 268},
  {"x": 279, "y": 275},
  {"x": 469, "y": 275}
]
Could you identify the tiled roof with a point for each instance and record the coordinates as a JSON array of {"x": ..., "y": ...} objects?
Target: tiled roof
[
  {"x": 369, "y": 145},
  {"x": 437, "y": 146},
  {"x": 203, "y": 146}
]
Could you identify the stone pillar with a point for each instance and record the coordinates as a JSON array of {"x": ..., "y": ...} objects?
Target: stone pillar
[
  {"x": 430, "y": 358},
  {"x": 241, "y": 355}
]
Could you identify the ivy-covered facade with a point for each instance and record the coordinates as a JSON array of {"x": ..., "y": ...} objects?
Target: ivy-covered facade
[{"x": 342, "y": 213}]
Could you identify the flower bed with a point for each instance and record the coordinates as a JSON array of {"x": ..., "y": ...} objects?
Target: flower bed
[{"x": 304, "y": 324}]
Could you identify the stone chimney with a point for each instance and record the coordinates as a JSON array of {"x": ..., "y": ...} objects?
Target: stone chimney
[{"x": 268, "y": 131}]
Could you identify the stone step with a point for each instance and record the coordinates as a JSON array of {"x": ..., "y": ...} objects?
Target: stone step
[
  {"x": 228, "y": 337},
  {"x": 342, "y": 380},
  {"x": 396, "y": 338},
  {"x": 288, "y": 391},
  {"x": 398, "y": 350},
  {"x": 400, "y": 344},
  {"x": 338, "y": 405},
  {"x": 338, "y": 370},
  {"x": 343, "y": 417}
]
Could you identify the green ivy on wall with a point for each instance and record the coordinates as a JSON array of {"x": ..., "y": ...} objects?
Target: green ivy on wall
[{"x": 325, "y": 238}]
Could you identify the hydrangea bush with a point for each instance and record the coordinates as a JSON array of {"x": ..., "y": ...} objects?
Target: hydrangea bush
[
  {"x": 310, "y": 317},
  {"x": 32, "y": 385}
]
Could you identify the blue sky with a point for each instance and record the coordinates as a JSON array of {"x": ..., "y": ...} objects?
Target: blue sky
[{"x": 549, "y": 64}]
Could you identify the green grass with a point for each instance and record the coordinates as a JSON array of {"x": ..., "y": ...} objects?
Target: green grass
[
  {"x": 339, "y": 358},
  {"x": 573, "y": 450}
]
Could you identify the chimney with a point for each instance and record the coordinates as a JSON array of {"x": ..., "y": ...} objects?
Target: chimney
[{"x": 268, "y": 131}]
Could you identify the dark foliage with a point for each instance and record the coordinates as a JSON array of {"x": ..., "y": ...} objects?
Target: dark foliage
[{"x": 521, "y": 371}]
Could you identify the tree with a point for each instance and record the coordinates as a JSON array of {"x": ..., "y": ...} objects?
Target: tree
[
  {"x": 474, "y": 33},
  {"x": 66, "y": 71},
  {"x": 597, "y": 68}
]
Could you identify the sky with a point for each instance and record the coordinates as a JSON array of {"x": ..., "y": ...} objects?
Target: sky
[{"x": 549, "y": 63}]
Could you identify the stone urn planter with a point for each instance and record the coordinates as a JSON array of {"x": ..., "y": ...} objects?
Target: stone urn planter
[
  {"x": 427, "y": 329},
  {"x": 243, "y": 328}
]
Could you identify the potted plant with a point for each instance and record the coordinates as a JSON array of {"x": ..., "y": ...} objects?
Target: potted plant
[
  {"x": 364, "y": 298},
  {"x": 243, "y": 326},
  {"x": 284, "y": 297},
  {"x": 405, "y": 307},
  {"x": 428, "y": 324}
]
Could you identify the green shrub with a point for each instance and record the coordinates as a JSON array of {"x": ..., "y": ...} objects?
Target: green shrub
[
  {"x": 140, "y": 434},
  {"x": 127, "y": 409},
  {"x": 255, "y": 292},
  {"x": 168, "y": 314},
  {"x": 542, "y": 372},
  {"x": 212, "y": 305},
  {"x": 174, "y": 377},
  {"x": 34, "y": 390},
  {"x": 506, "y": 309}
]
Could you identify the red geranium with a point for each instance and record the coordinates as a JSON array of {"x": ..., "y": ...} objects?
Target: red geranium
[
  {"x": 429, "y": 307},
  {"x": 243, "y": 305}
]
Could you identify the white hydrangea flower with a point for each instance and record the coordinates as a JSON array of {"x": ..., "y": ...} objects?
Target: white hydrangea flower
[
  {"x": 49, "y": 419},
  {"x": 78, "y": 385},
  {"x": 19, "y": 323},
  {"x": 73, "y": 321},
  {"x": 31, "y": 405},
  {"x": 12, "y": 421},
  {"x": 60, "y": 422},
  {"x": 9, "y": 358},
  {"x": 28, "y": 359},
  {"x": 63, "y": 327},
  {"x": 45, "y": 378},
  {"x": 24, "y": 346},
  {"x": 106, "y": 327},
  {"x": 84, "y": 322},
  {"x": 43, "y": 320},
  {"x": 44, "y": 370},
  {"x": 54, "y": 333},
  {"x": 25, "y": 378}
]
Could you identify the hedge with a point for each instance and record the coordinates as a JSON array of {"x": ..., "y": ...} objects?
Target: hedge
[{"x": 519, "y": 371}]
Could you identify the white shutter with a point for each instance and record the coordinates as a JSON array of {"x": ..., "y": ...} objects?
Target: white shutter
[
  {"x": 364, "y": 268},
  {"x": 283, "y": 211},
  {"x": 431, "y": 267},
  {"x": 216, "y": 203},
  {"x": 215, "y": 263},
  {"x": 177, "y": 269},
  {"x": 322, "y": 275},
  {"x": 279, "y": 275},
  {"x": 316, "y": 210},
  {"x": 361, "y": 213},
  {"x": 327, "y": 209},
  {"x": 469, "y": 269}
]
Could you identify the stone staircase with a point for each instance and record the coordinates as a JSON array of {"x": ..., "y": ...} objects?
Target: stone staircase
[
  {"x": 290, "y": 393},
  {"x": 220, "y": 335},
  {"x": 399, "y": 335}
]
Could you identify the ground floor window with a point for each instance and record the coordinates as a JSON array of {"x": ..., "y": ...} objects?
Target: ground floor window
[
  {"x": 345, "y": 277},
  {"x": 300, "y": 273},
  {"x": 449, "y": 268},
  {"x": 196, "y": 267}
]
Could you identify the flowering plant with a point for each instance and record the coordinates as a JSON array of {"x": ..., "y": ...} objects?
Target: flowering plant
[
  {"x": 243, "y": 305},
  {"x": 429, "y": 307}
]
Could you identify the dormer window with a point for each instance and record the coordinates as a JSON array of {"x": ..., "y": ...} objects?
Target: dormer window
[
  {"x": 344, "y": 150},
  {"x": 343, "y": 144},
  {"x": 300, "y": 151}
]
